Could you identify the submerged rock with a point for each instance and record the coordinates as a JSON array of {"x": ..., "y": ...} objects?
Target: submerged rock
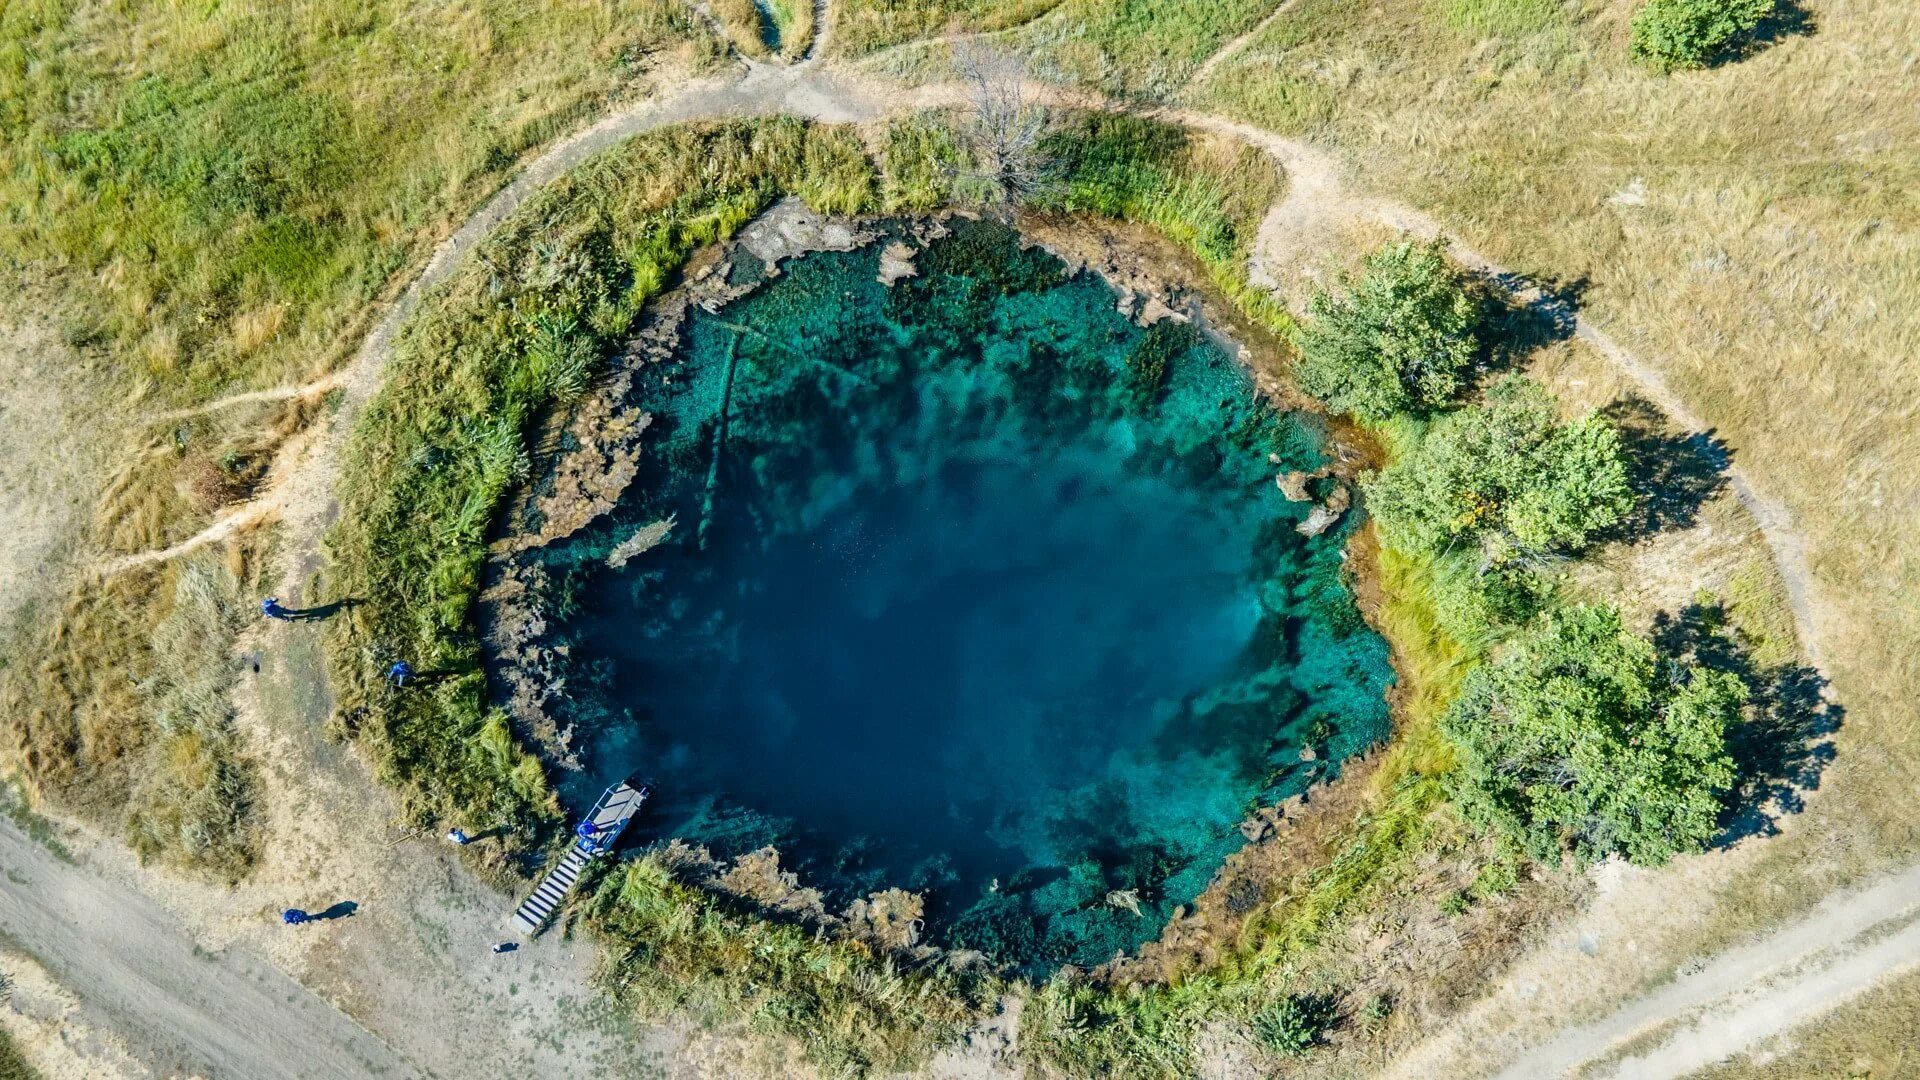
[{"x": 896, "y": 262}]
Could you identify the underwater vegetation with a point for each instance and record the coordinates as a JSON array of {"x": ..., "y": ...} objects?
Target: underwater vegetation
[{"x": 974, "y": 588}]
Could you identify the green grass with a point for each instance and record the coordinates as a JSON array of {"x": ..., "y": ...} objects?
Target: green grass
[
  {"x": 1207, "y": 195},
  {"x": 682, "y": 950},
  {"x": 229, "y": 186},
  {"x": 1140, "y": 49}
]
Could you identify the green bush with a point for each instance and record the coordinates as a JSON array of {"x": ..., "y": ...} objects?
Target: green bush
[
  {"x": 1580, "y": 737},
  {"x": 1293, "y": 1024},
  {"x": 1676, "y": 34},
  {"x": 1507, "y": 474},
  {"x": 1396, "y": 341}
]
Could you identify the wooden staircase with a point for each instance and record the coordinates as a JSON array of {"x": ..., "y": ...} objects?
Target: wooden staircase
[{"x": 594, "y": 836}]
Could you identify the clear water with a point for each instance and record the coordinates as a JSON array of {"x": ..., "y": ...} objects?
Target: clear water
[{"x": 977, "y": 589}]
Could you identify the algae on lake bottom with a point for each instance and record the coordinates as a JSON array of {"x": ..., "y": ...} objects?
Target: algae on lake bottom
[{"x": 977, "y": 589}]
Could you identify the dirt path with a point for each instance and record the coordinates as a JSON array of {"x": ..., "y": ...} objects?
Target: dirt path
[
  {"x": 185, "y": 1011},
  {"x": 1745, "y": 994},
  {"x": 301, "y": 491},
  {"x": 1232, "y": 48}
]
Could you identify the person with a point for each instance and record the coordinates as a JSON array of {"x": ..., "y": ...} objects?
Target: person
[
  {"x": 457, "y": 837},
  {"x": 293, "y": 916},
  {"x": 270, "y": 607},
  {"x": 399, "y": 673},
  {"x": 504, "y": 946}
]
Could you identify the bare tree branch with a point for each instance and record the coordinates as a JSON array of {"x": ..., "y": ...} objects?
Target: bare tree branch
[{"x": 1008, "y": 130}]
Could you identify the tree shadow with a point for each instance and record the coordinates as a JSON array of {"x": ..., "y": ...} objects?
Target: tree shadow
[
  {"x": 1789, "y": 20},
  {"x": 1673, "y": 473},
  {"x": 1520, "y": 316},
  {"x": 1785, "y": 742}
]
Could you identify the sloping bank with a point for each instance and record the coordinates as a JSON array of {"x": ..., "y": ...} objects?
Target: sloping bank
[{"x": 519, "y": 333}]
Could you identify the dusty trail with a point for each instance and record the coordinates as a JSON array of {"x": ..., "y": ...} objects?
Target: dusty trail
[
  {"x": 301, "y": 491},
  {"x": 1232, "y": 48},
  {"x": 188, "y": 1012},
  {"x": 1747, "y": 993}
]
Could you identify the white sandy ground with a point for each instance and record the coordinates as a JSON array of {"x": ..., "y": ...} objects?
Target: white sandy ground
[{"x": 411, "y": 966}]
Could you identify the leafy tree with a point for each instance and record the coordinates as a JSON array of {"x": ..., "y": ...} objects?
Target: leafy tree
[
  {"x": 1579, "y": 736},
  {"x": 1395, "y": 341},
  {"x": 1508, "y": 474},
  {"x": 1673, "y": 34}
]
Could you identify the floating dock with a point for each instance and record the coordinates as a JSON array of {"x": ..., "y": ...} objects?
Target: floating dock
[{"x": 593, "y": 837}]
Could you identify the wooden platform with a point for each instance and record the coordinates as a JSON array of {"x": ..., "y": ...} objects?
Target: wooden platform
[{"x": 594, "y": 836}]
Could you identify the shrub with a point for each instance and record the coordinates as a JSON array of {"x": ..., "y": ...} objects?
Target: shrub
[
  {"x": 1581, "y": 737},
  {"x": 1293, "y": 1024},
  {"x": 1508, "y": 474},
  {"x": 1676, "y": 34},
  {"x": 1395, "y": 341}
]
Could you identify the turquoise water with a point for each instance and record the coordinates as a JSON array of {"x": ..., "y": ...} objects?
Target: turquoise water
[{"x": 976, "y": 589}]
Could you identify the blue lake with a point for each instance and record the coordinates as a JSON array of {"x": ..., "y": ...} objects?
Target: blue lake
[{"x": 976, "y": 589}]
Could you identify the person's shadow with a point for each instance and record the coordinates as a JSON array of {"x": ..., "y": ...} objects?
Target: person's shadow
[
  {"x": 321, "y": 612},
  {"x": 343, "y": 909}
]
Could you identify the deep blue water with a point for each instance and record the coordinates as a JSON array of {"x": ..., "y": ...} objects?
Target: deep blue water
[{"x": 976, "y": 589}]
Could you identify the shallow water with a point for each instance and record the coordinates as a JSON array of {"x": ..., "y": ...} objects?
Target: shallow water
[{"x": 977, "y": 589}]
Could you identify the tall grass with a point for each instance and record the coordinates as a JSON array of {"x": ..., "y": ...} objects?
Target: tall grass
[
  {"x": 684, "y": 950},
  {"x": 12, "y": 1065},
  {"x": 128, "y": 722}
]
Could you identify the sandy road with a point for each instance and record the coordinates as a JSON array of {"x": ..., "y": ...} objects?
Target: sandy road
[{"x": 183, "y": 1010}]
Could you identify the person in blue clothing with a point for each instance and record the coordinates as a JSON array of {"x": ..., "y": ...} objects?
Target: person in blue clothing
[
  {"x": 399, "y": 673},
  {"x": 270, "y": 607},
  {"x": 293, "y": 916}
]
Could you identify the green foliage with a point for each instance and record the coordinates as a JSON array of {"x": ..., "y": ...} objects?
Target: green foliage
[
  {"x": 1480, "y": 604},
  {"x": 852, "y": 1010},
  {"x": 1675, "y": 34},
  {"x": 1508, "y": 474},
  {"x": 1579, "y": 737},
  {"x": 1293, "y": 1024},
  {"x": 1209, "y": 198},
  {"x": 517, "y": 334},
  {"x": 1396, "y": 341},
  {"x": 922, "y": 159}
]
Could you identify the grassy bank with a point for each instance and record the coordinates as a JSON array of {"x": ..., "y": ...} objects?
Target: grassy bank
[
  {"x": 211, "y": 198},
  {"x": 678, "y": 950},
  {"x": 521, "y": 331},
  {"x": 1129, "y": 48}
]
